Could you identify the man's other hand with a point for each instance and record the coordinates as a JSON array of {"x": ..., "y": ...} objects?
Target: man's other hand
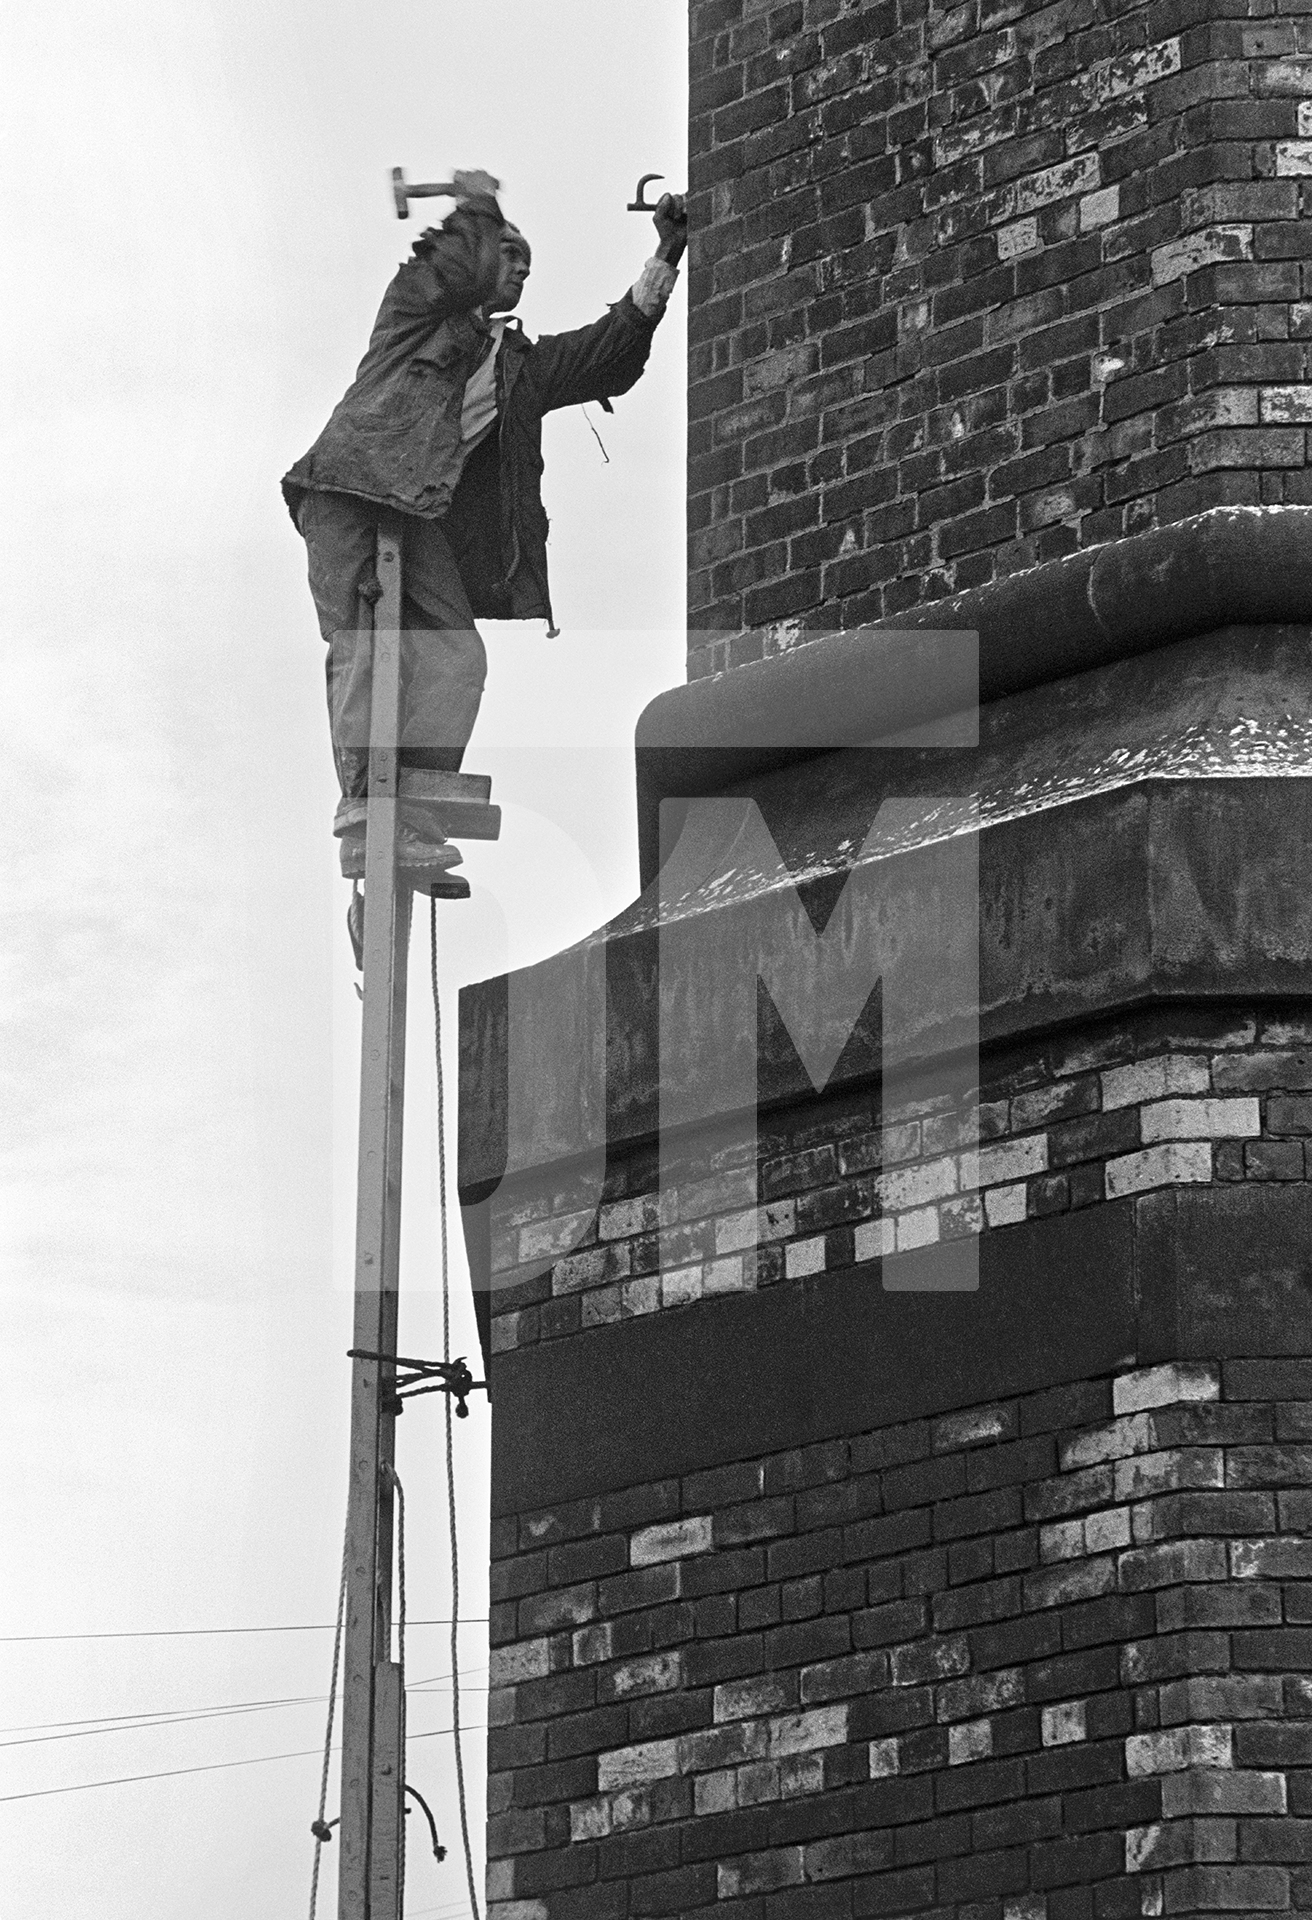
[
  {"x": 470, "y": 185},
  {"x": 671, "y": 224}
]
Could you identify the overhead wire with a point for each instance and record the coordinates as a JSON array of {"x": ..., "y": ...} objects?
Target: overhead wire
[
  {"x": 146, "y": 1723},
  {"x": 183, "y": 1716},
  {"x": 141, "y": 1722},
  {"x": 211, "y": 1766},
  {"x": 177, "y": 1633}
]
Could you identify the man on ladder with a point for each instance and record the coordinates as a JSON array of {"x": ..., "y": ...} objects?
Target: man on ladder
[
  {"x": 437, "y": 441},
  {"x": 420, "y": 507}
]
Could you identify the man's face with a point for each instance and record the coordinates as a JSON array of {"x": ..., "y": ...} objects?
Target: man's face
[{"x": 510, "y": 280}]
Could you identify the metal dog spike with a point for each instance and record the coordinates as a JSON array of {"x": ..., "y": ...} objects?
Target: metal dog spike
[{"x": 639, "y": 202}]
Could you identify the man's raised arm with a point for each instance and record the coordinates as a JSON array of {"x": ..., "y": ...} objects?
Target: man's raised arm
[
  {"x": 596, "y": 362},
  {"x": 654, "y": 285},
  {"x": 456, "y": 265}
]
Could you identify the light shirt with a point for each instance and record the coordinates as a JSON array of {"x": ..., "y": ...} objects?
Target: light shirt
[
  {"x": 653, "y": 287},
  {"x": 479, "y": 412}
]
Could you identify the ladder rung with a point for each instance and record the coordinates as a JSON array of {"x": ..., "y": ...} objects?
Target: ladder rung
[
  {"x": 468, "y": 820},
  {"x": 417, "y": 783}
]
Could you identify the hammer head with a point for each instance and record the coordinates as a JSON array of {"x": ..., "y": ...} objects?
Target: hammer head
[{"x": 399, "y": 194}]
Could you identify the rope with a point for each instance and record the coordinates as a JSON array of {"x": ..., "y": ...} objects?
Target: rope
[
  {"x": 328, "y": 1736},
  {"x": 446, "y": 1402},
  {"x": 400, "y": 1575},
  {"x": 400, "y": 1662}
]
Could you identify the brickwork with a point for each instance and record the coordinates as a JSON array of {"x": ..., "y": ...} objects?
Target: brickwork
[
  {"x": 1136, "y": 1109},
  {"x": 972, "y": 287},
  {"x": 1044, "y": 1659}
]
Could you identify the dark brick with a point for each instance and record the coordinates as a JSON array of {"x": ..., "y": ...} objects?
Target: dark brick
[
  {"x": 1066, "y": 1769},
  {"x": 1097, "y": 1137},
  {"x": 879, "y": 1716},
  {"x": 578, "y": 1733},
  {"x": 1132, "y": 1803},
  {"x": 985, "y": 1784},
  {"x": 567, "y": 1780},
  {"x": 1273, "y": 1159},
  {"x": 1277, "y": 1840},
  {"x": 710, "y": 1661},
  {"x": 984, "y": 1875},
  {"x": 805, "y": 1553},
  {"x": 676, "y": 1892},
  {"x": 759, "y": 1520},
  {"x": 888, "y": 1625},
  {"x": 1027, "y": 1820},
  {"x": 642, "y": 1587},
  {"x": 812, "y": 1640},
  {"x": 978, "y": 1513},
  {"x": 1077, "y": 1861},
  {"x": 510, "y": 1579},
  {"x": 1081, "y": 1404},
  {"x": 1288, "y": 1113},
  {"x": 562, "y": 1693},
  {"x": 928, "y": 1480},
  {"x": 1267, "y": 1379}
]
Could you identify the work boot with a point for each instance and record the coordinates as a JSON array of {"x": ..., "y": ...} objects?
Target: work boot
[
  {"x": 350, "y": 813},
  {"x": 355, "y": 925},
  {"x": 422, "y": 853}
]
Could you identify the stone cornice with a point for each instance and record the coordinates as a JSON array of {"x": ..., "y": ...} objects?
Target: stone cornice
[{"x": 1232, "y": 566}]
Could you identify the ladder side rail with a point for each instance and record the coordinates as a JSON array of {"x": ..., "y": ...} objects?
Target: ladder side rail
[{"x": 369, "y": 1884}]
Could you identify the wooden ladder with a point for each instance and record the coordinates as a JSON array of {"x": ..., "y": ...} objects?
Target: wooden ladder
[{"x": 371, "y": 1864}]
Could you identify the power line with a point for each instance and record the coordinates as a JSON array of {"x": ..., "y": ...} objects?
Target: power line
[
  {"x": 436, "y": 1733},
  {"x": 41, "y": 1731},
  {"x": 170, "y": 1773},
  {"x": 213, "y": 1766},
  {"x": 143, "y": 1723},
  {"x": 175, "y": 1633}
]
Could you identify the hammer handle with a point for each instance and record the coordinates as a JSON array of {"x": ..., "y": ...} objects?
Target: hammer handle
[{"x": 403, "y": 193}]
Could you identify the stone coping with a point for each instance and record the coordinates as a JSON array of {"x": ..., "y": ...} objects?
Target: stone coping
[
  {"x": 1211, "y": 905},
  {"x": 1230, "y": 566}
]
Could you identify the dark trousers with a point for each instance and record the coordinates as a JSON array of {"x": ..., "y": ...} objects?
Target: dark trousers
[{"x": 443, "y": 660}]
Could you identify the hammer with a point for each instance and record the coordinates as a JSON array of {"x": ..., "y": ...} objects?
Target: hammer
[{"x": 403, "y": 193}]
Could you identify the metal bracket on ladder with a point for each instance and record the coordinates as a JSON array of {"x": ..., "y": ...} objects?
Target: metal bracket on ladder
[
  {"x": 427, "y": 1376},
  {"x": 372, "y": 1863}
]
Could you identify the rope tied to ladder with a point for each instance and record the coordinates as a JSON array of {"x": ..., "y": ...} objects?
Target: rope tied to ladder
[{"x": 446, "y": 1402}]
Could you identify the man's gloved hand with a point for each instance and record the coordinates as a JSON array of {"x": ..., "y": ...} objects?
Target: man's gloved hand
[
  {"x": 475, "y": 185},
  {"x": 671, "y": 223}
]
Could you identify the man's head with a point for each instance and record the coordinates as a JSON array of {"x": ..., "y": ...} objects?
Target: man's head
[{"x": 516, "y": 259}]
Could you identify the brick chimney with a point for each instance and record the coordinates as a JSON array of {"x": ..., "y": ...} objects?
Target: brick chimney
[
  {"x": 902, "y": 1480},
  {"x": 975, "y": 288}
]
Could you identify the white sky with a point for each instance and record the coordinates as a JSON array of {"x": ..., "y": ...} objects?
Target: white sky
[{"x": 197, "y": 230}]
